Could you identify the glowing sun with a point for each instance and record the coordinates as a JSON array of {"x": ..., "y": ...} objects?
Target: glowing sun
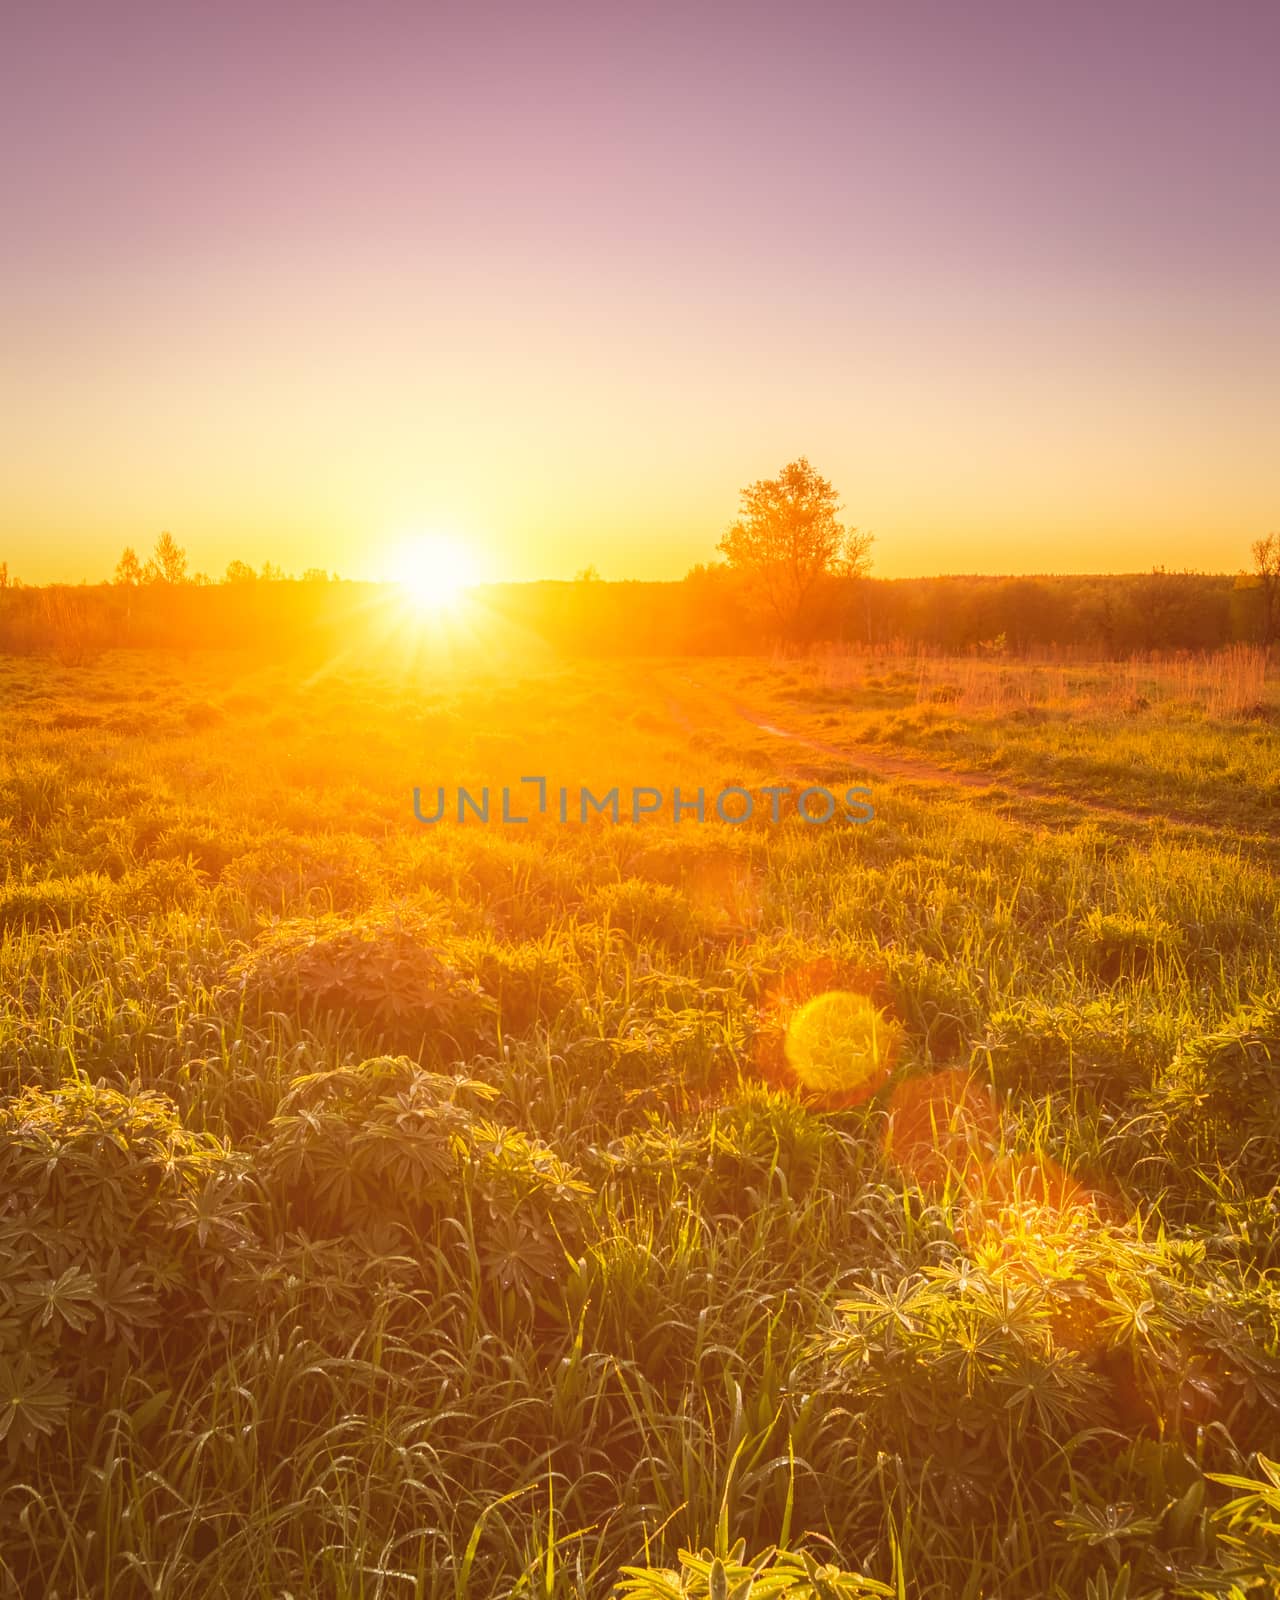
[{"x": 433, "y": 572}]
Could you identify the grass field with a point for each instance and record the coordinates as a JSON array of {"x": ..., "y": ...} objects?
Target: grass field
[{"x": 477, "y": 1209}]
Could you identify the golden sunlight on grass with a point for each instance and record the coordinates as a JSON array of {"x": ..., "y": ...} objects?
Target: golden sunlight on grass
[
  {"x": 433, "y": 571},
  {"x": 924, "y": 1142}
]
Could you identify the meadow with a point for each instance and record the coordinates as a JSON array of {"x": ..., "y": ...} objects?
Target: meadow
[{"x": 653, "y": 1208}]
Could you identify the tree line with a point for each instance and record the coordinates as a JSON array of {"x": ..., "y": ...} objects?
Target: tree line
[
  {"x": 709, "y": 612},
  {"x": 168, "y": 564},
  {"x": 792, "y": 575},
  {"x": 804, "y": 575}
]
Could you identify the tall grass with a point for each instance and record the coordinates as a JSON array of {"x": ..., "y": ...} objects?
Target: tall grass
[
  {"x": 395, "y": 1211},
  {"x": 1223, "y": 682}
]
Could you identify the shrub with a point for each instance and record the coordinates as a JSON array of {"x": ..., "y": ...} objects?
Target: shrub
[
  {"x": 1035, "y": 1045},
  {"x": 734, "y": 1158},
  {"x": 157, "y": 886},
  {"x": 677, "y": 859},
  {"x": 116, "y": 1239},
  {"x": 528, "y": 983},
  {"x": 961, "y": 1370},
  {"x": 1246, "y": 1527},
  {"x": 286, "y": 873},
  {"x": 1178, "y": 1347},
  {"x": 1219, "y": 1101},
  {"x": 387, "y": 1143},
  {"x": 54, "y": 902},
  {"x": 666, "y": 1052},
  {"x": 388, "y": 969},
  {"x": 1117, "y": 945},
  {"x": 646, "y": 910},
  {"x": 205, "y": 843},
  {"x": 523, "y": 886},
  {"x": 32, "y": 793}
]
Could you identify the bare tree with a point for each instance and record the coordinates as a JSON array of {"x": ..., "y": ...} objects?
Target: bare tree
[{"x": 788, "y": 539}]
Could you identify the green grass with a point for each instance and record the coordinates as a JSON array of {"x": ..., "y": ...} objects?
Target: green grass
[
  {"x": 1192, "y": 740},
  {"x": 406, "y": 1211}
]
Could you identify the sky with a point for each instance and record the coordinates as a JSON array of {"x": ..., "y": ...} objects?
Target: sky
[{"x": 555, "y": 281}]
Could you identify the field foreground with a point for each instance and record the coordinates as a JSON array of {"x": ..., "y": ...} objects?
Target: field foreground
[{"x": 876, "y": 1206}]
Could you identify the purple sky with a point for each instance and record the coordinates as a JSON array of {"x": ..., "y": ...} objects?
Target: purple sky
[{"x": 293, "y": 281}]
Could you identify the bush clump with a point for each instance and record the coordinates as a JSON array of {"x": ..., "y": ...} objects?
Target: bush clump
[
  {"x": 54, "y": 902},
  {"x": 644, "y": 910},
  {"x": 763, "y": 1145},
  {"x": 390, "y": 970},
  {"x": 1118, "y": 945},
  {"x": 1218, "y": 1104},
  {"x": 778, "y": 1574},
  {"x": 949, "y": 1365},
  {"x": 529, "y": 982},
  {"x": 387, "y": 1143},
  {"x": 286, "y": 874},
  {"x": 118, "y": 1233},
  {"x": 163, "y": 884},
  {"x": 1034, "y": 1044}
]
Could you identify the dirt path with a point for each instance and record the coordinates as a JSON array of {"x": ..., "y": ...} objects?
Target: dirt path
[{"x": 908, "y": 769}]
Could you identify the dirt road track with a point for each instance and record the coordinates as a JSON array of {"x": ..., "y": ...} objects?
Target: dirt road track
[{"x": 907, "y": 769}]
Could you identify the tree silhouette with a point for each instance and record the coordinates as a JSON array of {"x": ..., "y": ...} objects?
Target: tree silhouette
[
  {"x": 168, "y": 562},
  {"x": 1266, "y": 567},
  {"x": 129, "y": 569},
  {"x": 788, "y": 538}
]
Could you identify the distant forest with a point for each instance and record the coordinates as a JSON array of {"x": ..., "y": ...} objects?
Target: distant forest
[{"x": 707, "y": 613}]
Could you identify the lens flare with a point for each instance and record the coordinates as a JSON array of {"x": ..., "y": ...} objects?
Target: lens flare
[
  {"x": 940, "y": 1125},
  {"x": 841, "y": 1046}
]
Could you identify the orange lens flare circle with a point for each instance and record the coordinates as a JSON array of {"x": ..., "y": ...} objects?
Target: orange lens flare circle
[{"x": 940, "y": 1126}]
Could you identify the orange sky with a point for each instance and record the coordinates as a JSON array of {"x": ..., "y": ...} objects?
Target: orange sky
[{"x": 558, "y": 284}]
